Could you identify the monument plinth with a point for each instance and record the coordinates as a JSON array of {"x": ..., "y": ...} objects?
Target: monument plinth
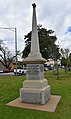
[{"x": 35, "y": 88}]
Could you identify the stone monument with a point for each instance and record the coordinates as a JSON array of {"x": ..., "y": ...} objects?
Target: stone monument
[{"x": 35, "y": 88}]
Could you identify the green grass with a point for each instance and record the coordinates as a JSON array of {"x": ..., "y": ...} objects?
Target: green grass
[{"x": 9, "y": 90}]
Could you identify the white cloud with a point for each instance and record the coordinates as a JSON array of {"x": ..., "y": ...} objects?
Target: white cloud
[{"x": 55, "y": 14}]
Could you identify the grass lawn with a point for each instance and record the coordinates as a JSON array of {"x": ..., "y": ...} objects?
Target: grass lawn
[{"x": 9, "y": 90}]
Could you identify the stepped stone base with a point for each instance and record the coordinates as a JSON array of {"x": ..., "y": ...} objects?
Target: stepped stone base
[
  {"x": 35, "y": 84},
  {"x": 35, "y": 96},
  {"x": 50, "y": 106}
]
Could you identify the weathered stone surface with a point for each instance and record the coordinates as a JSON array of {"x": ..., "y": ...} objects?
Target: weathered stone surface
[
  {"x": 35, "y": 84},
  {"x": 36, "y": 96},
  {"x": 35, "y": 71},
  {"x": 34, "y": 58}
]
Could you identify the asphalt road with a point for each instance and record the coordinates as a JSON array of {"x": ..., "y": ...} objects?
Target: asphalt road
[{"x": 7, "y": 74}]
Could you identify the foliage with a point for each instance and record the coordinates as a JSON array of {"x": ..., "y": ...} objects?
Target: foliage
[
  {"x": 66, "y": 58},
  {"x": 63, "y": 61},
  {"x": 65, "y": 52},
  {"x": 46, "y": 41},
  {"x": 70, "y": 57},
  {"x": 9, "y": 90}
]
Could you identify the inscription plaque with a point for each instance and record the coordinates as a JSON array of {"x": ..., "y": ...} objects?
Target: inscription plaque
[{"x": 34, "y": 71}]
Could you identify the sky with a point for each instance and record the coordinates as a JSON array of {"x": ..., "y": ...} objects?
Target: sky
[{"x": 51, "y": 14}]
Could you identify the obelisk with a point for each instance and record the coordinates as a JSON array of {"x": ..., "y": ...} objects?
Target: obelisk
[{"x": 35, "y": 88}]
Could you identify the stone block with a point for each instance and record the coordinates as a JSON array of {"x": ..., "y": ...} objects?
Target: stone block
[
  {"x": 38, "y": 84},
  {"x": 35, "y": 96}
]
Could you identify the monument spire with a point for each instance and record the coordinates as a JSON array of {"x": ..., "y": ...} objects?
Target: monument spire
[
  {"x": 34, "y": 36},
  {"x": 34, "y": 54}
]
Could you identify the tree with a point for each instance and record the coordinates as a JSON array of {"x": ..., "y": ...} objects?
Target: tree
[
  {"x": 65, "y": 61},
  {"x": 62, "y": 52},
  {"x": 70, "y": 56},
  {"x": 69, "y": 61},
  {"x": 47, "y": 40},
  {"x": 6, "y": 56}
]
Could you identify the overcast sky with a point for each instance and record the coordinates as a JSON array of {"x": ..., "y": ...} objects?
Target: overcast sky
[{"x": 51, "y": 14}]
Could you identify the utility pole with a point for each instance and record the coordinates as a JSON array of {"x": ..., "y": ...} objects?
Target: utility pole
[{"x": 16, "y": 48}]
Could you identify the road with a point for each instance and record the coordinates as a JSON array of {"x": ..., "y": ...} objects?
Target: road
[{"x": 7, "y": 74}]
